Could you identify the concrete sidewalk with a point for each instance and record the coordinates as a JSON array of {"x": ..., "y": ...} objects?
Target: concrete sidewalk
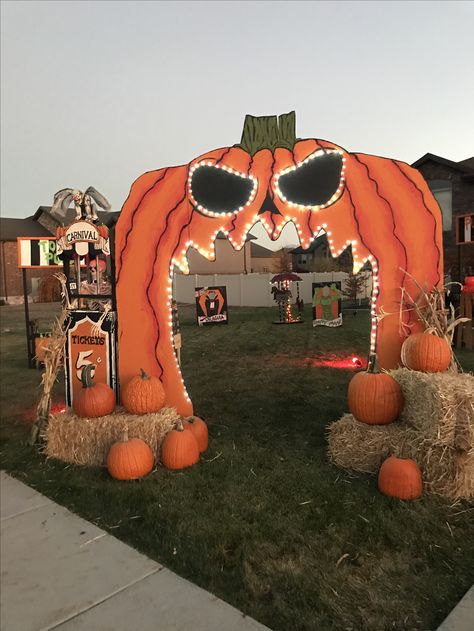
[{"x": 62, "y": 572}]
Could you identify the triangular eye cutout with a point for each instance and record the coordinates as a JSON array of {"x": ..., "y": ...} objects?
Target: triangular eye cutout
[
  {"x": 315, "y": 182},
  {"x": 218, "y": 190}
]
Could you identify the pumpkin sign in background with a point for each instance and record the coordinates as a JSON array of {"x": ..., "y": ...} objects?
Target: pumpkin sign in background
[{"x": 379, "y": 207}]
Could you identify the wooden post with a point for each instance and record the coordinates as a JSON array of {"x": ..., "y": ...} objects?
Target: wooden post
[
  {"x": 27, "y": 320},
  {"x": 464, "y": 329}
]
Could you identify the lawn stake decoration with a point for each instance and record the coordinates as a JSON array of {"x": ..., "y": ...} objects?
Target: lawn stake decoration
[
  {"x": 327, "y": 304},
  {"x": 211, "y": 305},
  {"x": 282, "y": 295},
  {"x": 381, "y": 208}
]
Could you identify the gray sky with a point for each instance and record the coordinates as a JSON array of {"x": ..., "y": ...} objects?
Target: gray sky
[{"x": 96, "y": 93}]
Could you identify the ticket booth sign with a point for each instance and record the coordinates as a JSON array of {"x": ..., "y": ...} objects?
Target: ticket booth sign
[{"x": 87, "y": 345}]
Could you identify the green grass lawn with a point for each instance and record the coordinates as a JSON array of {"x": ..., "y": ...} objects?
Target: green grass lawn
[{"x": 264, "y": 520}]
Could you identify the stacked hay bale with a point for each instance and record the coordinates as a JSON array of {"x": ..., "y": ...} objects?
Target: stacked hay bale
[
  {"x": 435, "y": 428},
  {"x": 87, "y": 441}
]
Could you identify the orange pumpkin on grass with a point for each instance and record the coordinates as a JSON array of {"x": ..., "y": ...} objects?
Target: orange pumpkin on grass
[
  {"x": 130, "y": 459},
  {"x": 143, "y": 394},
  {"x": 179, "y": 449},
  {"x": 199, "y": 428},
  {"x": 426, "y": 353},
  {"x": 93, "y": 399},
  {"x": 374, "y": 397},
  {"x": 401, "y": 478}
]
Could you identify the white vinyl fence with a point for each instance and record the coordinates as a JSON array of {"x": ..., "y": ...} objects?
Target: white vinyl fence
[{"x": 254, "y": 290}]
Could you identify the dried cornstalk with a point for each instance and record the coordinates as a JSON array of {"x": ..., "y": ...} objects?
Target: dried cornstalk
[
  {"x": 432, "y": 312},
  {"x": 53, "y": 358}
]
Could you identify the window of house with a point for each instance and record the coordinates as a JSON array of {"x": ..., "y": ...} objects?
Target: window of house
[
  {"x": 443, "y": 192},
  {"x": 303, "y": 259},
  {"x": 265, "y": 269}
]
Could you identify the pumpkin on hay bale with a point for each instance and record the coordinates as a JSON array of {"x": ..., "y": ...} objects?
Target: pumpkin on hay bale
[
  {"x": 86, "y": 441},
  {"x": 436, "y": 429}
]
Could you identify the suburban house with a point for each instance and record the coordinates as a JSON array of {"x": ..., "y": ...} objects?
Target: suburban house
[
  {"x": 263, "y": 260},
  {"x": 452, "y": 183},
  {"x": 317, "y": 258}
]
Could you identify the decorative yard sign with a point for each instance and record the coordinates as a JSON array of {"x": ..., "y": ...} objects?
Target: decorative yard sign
[
  {"x": 211, "y": 305},
  {"x": 379, "y": 207},
  {"x": 89, "y": 343},
  {"x": 327, "y": 304},
  {"x": 34, "y": 252}
]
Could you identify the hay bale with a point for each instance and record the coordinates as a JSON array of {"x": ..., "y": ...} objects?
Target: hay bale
[
  {"x": 439, "y": 405},
  {"x": 447, "y": 470},
  {"x": 87, "y": 441},
  {"x": 360, "y": 447}
]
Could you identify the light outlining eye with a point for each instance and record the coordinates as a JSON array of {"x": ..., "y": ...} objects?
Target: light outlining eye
[
  {"x": 219, "y": 190},
  {"x": 314, "y": 183}
]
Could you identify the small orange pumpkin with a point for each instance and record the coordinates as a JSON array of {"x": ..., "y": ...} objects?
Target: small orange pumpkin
[
  {"x": 426, "y": 353},
  {"x": 199, "y": 428},
  {"x": 143, "y": 394},
  {"x": 93, "y": 399},
  {"x": 179, "y": 448},
  {"x": 401, "y": 478},
  {"x": 130, "y": 459},
  {"x": 374, "y": 398}
]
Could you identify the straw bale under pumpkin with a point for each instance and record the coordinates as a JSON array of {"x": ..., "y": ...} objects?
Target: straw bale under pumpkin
[
  {"x": 86, "y": 441},
  {"x": 436, "y": 429},
  {"x": 441, "y": 405}
]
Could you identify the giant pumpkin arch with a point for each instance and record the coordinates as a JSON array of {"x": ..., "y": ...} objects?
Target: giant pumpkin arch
[{"x": 381, "y": 208}]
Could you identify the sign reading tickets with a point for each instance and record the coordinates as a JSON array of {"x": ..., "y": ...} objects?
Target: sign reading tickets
[
  {"x": 327, "y": 304},
  {"x": 211, "y": 305},
  {"x": 87, "y": 343}
]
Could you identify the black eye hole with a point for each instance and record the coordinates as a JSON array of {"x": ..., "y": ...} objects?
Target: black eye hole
[
  {"x": 315, "y": 182},
  {"x": 219, "y": 190}
]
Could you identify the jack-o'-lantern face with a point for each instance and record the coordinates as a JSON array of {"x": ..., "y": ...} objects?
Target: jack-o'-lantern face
[{"x": 382, "y": 209}]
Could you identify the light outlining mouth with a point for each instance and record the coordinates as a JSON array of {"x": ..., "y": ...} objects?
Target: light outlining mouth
[{"x": 358, "y": 262}]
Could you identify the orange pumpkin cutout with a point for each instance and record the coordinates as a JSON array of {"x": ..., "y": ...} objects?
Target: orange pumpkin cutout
[
  {"x": 401, "y": 478},
  {"x": 381, "y": 208}
]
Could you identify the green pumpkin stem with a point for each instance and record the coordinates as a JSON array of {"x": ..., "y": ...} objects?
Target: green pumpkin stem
[
  {"x": 143, "y": 374},
  {"x": 372, "y": 366},
  {"x": 268, "y": 132},
  {"x": 86, "y": 376}
]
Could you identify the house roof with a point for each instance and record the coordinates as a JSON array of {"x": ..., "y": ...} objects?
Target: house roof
[
  {"x": 259, "y": 252},
  {"x": 465, "y": 166},
  {"x": 318, "y": 243},
  {"x": 11, "y": 228}
]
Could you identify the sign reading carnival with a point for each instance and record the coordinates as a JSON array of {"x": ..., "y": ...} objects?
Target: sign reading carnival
[{"x": 80, "y": 235}]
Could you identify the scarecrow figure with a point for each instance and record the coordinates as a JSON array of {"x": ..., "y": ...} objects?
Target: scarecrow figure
[{"x": 83, "y": 203}]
